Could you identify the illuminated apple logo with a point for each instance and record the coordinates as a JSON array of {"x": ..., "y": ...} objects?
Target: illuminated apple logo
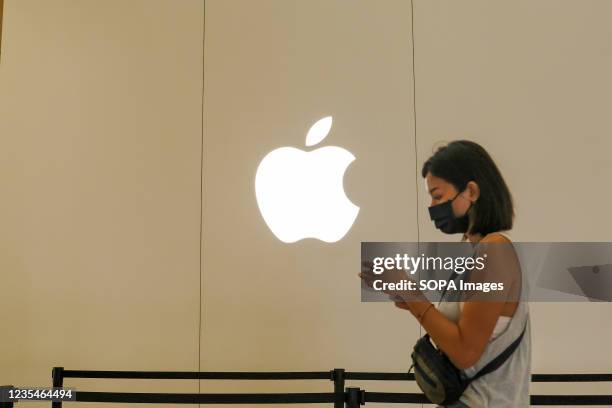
[{"x": 301, "y": 195}]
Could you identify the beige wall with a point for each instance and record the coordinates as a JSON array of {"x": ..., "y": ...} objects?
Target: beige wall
[
  {"x": 100, "y": 108},
  {"x": 272, "y": 69},
  {"x": 101, "y": 132},
  {"x": 1, "y": 12}
]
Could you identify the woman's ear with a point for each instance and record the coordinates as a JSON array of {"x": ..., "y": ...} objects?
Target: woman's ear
[{"x": 473, "y": 191}]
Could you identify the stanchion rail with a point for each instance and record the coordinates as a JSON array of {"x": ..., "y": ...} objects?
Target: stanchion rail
[{"x": 342, "y": 396}]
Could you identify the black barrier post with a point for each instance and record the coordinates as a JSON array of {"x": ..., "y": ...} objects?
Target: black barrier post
[
  {"x": 5, "y": 404},
  {"x": 338, "y": 379},
  {"x": 58, "y": 381},
  {"x": 355, "y": 397}
]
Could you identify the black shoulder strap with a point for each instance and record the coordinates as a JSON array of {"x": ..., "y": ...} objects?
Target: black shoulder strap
[{"x": 499, "y": 360}]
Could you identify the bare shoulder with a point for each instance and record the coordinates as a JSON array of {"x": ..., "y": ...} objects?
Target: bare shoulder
[
  {"x": 495, "y": 237},
  {"x": 506, "y": 254}
]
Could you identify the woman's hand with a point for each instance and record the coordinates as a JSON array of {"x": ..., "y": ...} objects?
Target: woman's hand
[{"x": 390, "y": 281}]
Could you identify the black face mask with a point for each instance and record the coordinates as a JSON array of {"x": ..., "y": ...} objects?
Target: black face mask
[{"x": 443, "y": 217}]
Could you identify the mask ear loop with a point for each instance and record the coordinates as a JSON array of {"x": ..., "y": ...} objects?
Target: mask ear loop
[
  {"x": 464, "y": 238},
  {"x": 457, "y": 195}
]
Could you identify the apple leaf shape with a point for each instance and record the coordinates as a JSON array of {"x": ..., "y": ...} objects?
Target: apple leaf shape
[{"x": 319, "y": 131}]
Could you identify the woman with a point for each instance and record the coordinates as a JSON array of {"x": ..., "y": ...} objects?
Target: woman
[{"x": 469, "y": 196}]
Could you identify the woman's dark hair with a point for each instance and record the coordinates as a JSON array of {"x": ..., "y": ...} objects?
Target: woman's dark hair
[{"x": 461, "y": 161}]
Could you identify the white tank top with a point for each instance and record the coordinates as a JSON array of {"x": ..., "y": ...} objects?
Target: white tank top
[
  {"x": 452, "y": 310},
  {"x": 508, "y": 386}
]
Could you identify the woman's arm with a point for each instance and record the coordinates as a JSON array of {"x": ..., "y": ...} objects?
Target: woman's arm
[{"x": 465, "y": 341}]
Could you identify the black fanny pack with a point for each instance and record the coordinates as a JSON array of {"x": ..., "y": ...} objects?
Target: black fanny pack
[{"x": 439, "y": 379}]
